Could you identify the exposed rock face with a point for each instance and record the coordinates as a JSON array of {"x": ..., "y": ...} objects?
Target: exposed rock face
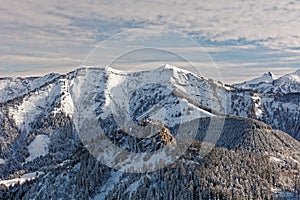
[{"x": 166, "y": 136}]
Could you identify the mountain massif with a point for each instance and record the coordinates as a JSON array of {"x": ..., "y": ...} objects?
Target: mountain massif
[{"x": 58, "y": 136}]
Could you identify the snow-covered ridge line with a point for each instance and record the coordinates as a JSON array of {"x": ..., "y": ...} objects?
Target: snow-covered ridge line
[
  {"x": 12, "y": 88},
  {"x": 269, "y": 83},
  {"x": 108, "y": 87},
  {"x": 128, "y": 72},
  {"x": 18, "y": 87}
]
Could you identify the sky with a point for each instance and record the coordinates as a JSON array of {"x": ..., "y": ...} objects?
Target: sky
[{"x": 237, "y": 40}]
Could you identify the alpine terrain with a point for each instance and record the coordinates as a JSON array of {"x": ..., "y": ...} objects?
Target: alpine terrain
[{"x": 166, "y": 133}]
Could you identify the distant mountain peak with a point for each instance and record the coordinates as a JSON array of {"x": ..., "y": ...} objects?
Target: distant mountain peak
[
  {"x": 270, "y": 74},
  {"x": 266, "y": 78},
  {"x": 288, "y": 83}
]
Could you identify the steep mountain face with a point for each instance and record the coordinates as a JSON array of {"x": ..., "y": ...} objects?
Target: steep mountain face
[
  {"x": 49, "y": 123},
  {"x": 273, "y": 102}
]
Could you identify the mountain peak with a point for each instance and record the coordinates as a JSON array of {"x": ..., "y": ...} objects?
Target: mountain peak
[
  {"x": 167, "y": 66},
  {"x": 265, "y": 78},
  {"x": 270, "y": 75},
  {"x": 171, "y": 67},
  {"x": 177, "y": 69},
  {"x": 288, "y": 83}
]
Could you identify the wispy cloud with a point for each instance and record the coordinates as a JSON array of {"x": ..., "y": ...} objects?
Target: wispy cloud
[{"x": 49, "y": 33}]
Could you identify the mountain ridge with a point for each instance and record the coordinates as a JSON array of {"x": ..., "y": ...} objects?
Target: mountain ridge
[
  {"x": 200, "y": 93},
  {"x": 116, "y": 101},
  {"x": 268, "y": 83}
]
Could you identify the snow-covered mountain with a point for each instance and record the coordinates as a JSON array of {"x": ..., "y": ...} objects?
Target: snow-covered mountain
[
  {"x": 273, "y": 102},
  {"x": 289, "y": 83},
  {"x": 265, "y": 78},
  {"x": 105, "y": 93},
  {"x": 270, "y": 83},
  {"x": 262, "y": 83},
  {"x": 14, "y": 87},
  {"x": 174, "y": 96},
  {"x": 46, "y": 123}
]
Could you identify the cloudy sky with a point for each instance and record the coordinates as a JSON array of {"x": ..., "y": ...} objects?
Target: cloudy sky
[{"x": 243, "y": 38}]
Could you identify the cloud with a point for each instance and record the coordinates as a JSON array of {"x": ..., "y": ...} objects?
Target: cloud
[
  {"x": 236, "y": 32},
  {"x": 273, "y": 23},
  {"x": 34, "y": 59}
]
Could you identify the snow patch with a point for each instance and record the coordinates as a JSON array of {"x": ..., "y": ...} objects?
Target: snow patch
[
  {"x": 257, "y": 105},
  {"x": 179, "y": 113},
  {"x": 67, "y": 105},
  {"x": 22, "y": 179},
  {"x": 2, "y": 161},
  {"x": 30, "y": 108},
  {"x": 38, "y": 147}
]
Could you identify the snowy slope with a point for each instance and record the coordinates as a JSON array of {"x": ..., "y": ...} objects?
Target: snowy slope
[
  {"x": 289, "y": 83},
  {"x": 51, "y": 97},
  {"x": 262, "y": 83},
  {"x": 273, "y": 102},
  {"x": 15, "y": 87},
  {"x": 268, "y": 83},
  {"x": 136, "y": 95},
  {"x": 265, "y": 78},
  {"x": 38, "y": 147}
]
